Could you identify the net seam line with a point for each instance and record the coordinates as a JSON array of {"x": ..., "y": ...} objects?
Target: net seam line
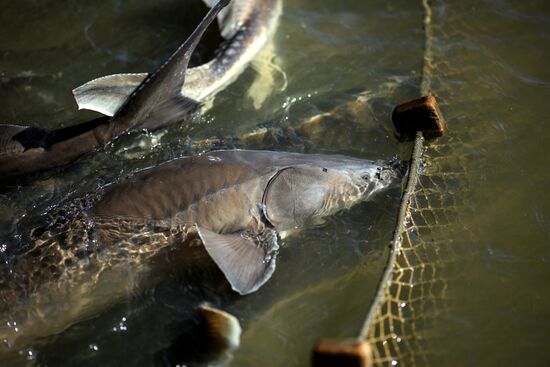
[
  {"x": 395, "y": 245},
  {"x": 412, "y": 179}
]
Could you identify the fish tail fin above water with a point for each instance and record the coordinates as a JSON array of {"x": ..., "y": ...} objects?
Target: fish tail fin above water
[
  {"x": 245, "y": 25},
  {"x": 108, "y": 94},
  {"x": 157, "y": 101}
]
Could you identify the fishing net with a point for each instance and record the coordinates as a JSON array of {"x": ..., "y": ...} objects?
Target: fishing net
[{"x": 403, "y": 325}]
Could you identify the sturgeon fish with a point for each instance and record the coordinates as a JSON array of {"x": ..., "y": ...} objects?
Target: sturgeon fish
[
  {"x": 146, "y": 101},
  {"x": 228, "y": 206}
]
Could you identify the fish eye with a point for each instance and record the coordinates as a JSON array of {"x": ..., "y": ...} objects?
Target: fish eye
[{"x": 325, "y": 170}]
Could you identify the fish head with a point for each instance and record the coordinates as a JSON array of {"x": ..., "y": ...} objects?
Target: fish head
[{"x": 302, "y": 194}]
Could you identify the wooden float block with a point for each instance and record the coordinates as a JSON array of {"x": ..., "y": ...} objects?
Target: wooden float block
[
  {"x": 342, "y": 353},
  {"x": 421, "y": 114}
]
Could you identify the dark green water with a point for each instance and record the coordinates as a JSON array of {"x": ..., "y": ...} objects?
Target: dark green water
[{"x": 490, "y": 71}]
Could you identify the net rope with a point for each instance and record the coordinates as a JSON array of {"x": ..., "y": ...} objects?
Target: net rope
[{"x": 409, "y": 291}]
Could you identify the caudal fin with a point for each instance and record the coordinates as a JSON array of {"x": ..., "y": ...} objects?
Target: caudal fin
[
  {"x": 108, "y": 93},
  {"x": 158, "y": 100}
]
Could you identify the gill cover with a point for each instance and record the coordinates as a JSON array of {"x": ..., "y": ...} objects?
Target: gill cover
[{"x": 296, "y": 194}]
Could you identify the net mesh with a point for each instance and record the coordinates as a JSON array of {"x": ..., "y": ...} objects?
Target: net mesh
[{"x": 404, "y": 328}]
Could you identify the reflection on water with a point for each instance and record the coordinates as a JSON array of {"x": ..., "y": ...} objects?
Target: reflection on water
[
  {"x": 490, "y": 70},
  {"x": 492, "y": 74}
]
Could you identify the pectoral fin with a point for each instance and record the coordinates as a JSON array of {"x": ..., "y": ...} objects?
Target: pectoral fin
[
  {"x": 246, "y": 259},
  {"x": 107, "y": 94}
]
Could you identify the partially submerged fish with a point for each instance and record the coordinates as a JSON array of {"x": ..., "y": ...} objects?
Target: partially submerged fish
[
  {"x": 145, "y": 101},
  {"x": 215, "y": 336},
  {"x": 226, "y": 205}
]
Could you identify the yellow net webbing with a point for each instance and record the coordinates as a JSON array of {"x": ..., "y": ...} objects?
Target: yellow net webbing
[{"x": 400, "y": 322}]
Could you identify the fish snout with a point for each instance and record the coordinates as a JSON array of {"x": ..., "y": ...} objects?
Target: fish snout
[
  {"x": 387, "y": 173},
  {"x": 395, "y": 169}
]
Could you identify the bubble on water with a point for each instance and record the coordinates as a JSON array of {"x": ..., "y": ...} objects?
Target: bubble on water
[
  {"x": 29, "y": 354},
  {"x": 121, "y": 325}
]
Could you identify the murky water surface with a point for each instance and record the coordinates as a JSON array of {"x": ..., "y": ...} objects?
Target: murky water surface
[{"x": 490, "y": 70}]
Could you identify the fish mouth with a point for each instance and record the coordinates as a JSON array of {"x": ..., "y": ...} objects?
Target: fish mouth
[
  {"x": 388, "y": 173},
  {"x": 396, "y": 168}
]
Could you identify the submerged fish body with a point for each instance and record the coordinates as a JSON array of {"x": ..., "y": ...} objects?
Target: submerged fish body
[{"x": 223, "y": 205}]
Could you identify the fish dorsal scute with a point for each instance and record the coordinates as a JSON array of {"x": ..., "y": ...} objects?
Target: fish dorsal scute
[{"x": 246, "y": 259}]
